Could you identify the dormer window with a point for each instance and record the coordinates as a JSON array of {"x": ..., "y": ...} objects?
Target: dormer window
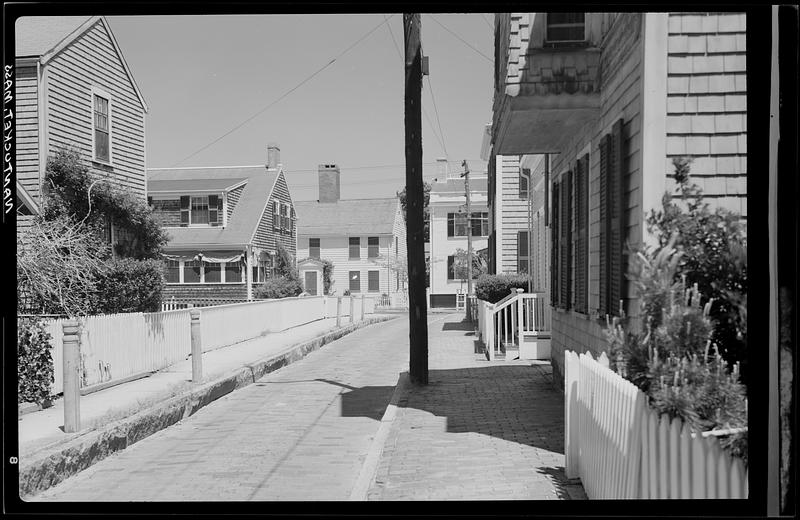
[
  {"x": 202, "y": 210},
  {"x": 565, "y": 28}
]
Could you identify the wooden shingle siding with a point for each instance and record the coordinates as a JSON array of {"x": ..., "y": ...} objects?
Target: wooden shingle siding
[
  {"x": 167, "y": 212},
  {"x": 27, "y": 130},
  {"x": 233, "y": 199},
  {"x": 92, "y": 60},
  {"x": 267, "y": 238},
  {"x": 707, "y": 104}
]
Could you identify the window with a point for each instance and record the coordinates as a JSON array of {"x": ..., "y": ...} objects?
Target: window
[
  {"x": 276, "y": 215},
  {"x": 355, "y": 248},
  {"x": 355, "y": 281},
  {"x": 102, "y": 129},
  {"x": 479, "y": 224},
  {"x": 565, "y": 27},
  {"x": 199, "y": 210},
  {"x": 373, "y": 281},
  {"x": 456, "y": 225},
  {"x": 372, "y": 247},
  {"x": 313, "y": 248},
  {"x": 213, "y": 272},
  {"x": 233, "y": 272},
  {"x": 202, "y": 210},
  {"x": 191, "y": 272},
  {"x": 255, "y": 274},
  {"x": 523, "y": 258},
  {"x": 172, "y": 271},
  {"x": 451, "y": 272},
  {"x": 524, "y": 176}
]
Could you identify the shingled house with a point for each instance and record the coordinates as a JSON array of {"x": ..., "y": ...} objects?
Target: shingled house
[
  {"x": 74, "y": 90},
  {"x": 225, "y": 224},
  {"x": 364, "y": 238}
]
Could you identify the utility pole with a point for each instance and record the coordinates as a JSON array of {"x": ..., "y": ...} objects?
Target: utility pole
[
  {"x": 415, "y": 198},
  {"x": 469, "y": 232}
]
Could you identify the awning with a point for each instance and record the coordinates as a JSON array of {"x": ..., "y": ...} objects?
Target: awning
[{"x": 214, "y": 257}]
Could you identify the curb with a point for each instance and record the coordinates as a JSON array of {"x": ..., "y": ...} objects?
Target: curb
[
  {"x": 370, "y": 467},
  {"x": 51, "y": 466}
]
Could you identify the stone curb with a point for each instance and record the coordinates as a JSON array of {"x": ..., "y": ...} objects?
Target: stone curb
[
  {"x": 370, "y": 466},
  {"x": 51, "y": 466}
]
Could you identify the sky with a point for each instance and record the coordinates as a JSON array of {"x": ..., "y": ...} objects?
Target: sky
[{"x": 202, "y": 76}]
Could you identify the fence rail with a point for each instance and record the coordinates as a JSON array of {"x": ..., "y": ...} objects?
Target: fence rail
[
  {"x": 117, "y": 346},
  {"x": 621, "y": 449}
]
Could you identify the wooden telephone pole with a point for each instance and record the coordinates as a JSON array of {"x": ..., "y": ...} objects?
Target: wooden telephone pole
[
  {"x": 469, "y": 233},
  {"x": 415, "y": 198}
]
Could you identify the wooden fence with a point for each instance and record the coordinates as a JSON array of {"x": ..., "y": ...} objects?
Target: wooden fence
[
  {"x": 621, "y": 449},
  {"x": 119, "y": 346}
]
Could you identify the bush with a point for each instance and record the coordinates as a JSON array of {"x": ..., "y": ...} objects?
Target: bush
[
  {"x": 279, "y": 287},
  {"x": 327, "y": 276},
  {"x": 34, "y": 361},
  {"x": 494, "y": 287},
  {"x": 129, "y": 285}
]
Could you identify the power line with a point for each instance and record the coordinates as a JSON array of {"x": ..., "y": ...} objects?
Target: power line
[
  {"x": 437, "y": 117},
  {"x": 425, "y": 112},
  {"x": 331, "y": 62},
  {"x": 461, "y": 39},
  {"x": 487, "y": 21}
]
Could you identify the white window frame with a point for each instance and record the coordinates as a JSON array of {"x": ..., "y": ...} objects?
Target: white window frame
[
  {"x": 222, "y": 277},
  {"x": 556, "y": 42},
  {"x": 98, "y": 92}
]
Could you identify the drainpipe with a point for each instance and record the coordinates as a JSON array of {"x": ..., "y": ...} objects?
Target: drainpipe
[{"x": 248, "y": 273}]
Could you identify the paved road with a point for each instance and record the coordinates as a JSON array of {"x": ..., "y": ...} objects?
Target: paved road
[{"x": 300, "y": 433}]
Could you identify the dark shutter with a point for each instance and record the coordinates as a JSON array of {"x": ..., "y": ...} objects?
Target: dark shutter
[
  {"x": 451, "y": 225},
  {"x": 581, "y": 234},
  {"x": 276, "y": 215},
  {"x": 451, "y": 274},
  {"x": 184, "y": 211},
  {"x": 616, "y": 221},
  {"x": 604, "y": 211},
  {"x": 555, "y": 250},
  {"x": 566, "y": 241},
  {"x": 213, "y": 209},
  {"x": 524, "y": 177}
]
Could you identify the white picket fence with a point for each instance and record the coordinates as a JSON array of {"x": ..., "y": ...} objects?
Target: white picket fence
[
  {"x": 118, "y": 346},
  {"x": 621, "y": 449}
]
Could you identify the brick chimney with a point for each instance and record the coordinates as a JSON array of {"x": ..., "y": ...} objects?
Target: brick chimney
[
  {"x": 273, "y": 156},
  {"x": 328, "y": 183},
  {"x": 441, "y": 168}
]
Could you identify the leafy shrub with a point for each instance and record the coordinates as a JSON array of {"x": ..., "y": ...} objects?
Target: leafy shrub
[
  {"x": 34, "y": 361},
  {"x": 327, "y": 276},
  {"x": 494, "y": 287},
  {"x": 278, "y": 287},
  {"x": 129, "y": 285}
]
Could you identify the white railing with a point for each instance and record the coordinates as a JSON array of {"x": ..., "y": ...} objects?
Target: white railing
[
  {"x": 621, "y": 449},
  {"x": 117, "y": 346},
  {"x": 508, "y": 322}
]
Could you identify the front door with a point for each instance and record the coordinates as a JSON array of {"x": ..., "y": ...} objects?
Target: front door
[{"x": 311, "y": 282}]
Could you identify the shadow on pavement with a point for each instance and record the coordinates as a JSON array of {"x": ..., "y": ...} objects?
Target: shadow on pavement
[{"x": 566, "y": 489}]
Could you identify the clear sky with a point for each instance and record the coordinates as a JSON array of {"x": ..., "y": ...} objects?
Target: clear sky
[{"x": 203, "y": 75}]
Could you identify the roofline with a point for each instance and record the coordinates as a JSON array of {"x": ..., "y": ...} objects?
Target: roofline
[
  {"x": 326, "y": 234},
  {"x": 203, "y": 245},
  {"x": 266, "y": 203},
  {"x": 27, "y": 199},
  {"x": 211, "y": 190},
  {"x": 74, "y": 35},
  {"x": 210, "y": 167}
]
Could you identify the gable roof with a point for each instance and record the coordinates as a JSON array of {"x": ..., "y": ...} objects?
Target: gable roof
[
  {"x": 189, "y": 185},
  {"x": 347, "y": 217},
  {"x": 242, "y": 223},
  {"x": 23, "y": 197},
  {"x": 46, "y": 36}
]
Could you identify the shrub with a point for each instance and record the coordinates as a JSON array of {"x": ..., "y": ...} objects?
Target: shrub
[
  {"x": 129, "y": 285},
  {"x": 279, "y": 287},
  {"x": 494, "y": 287},
  {"x": 34, "y": 361}
]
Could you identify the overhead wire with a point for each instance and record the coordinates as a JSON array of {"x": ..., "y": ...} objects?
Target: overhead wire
[
  {"x": 306, "y": 80},
  {"x": 465, "y": 42}
]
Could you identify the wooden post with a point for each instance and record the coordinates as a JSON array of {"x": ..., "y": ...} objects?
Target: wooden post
[
  {"x": 72, "y": 376},
  {"x": 362, "y": 306},
  {"x": 417, "y": 306},
  {"x": 520, "y": 316},
  {"x": 197, "y": 346},
  {"x": 352, "y": 308},
  {"x": 469, "y": 234},
  {"x": 338, "y": 311}
]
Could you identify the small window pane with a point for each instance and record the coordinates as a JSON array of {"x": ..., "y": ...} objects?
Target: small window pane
[
  {"x": 213, "y": 272},
  {"x": 372, "y": 247},
  {"x": 313, "y": 248},
  {"x": 374, "y": 281},
  {"x": 355, "y": 247},
  {"x": 191, "y": 272},
  {"x": 355, "y": 281},
  {"x": 172, "y": 271},
  {"x": 233, "y": 272},
  {"x": 199, "y": 210}
]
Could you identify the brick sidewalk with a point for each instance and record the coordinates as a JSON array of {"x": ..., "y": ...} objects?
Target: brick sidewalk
[{"x": 479, "y": 430}]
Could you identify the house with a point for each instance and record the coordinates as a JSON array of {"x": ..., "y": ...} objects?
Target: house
[
  {"x": 75, "y": 90},
  {"x": 365, "y": 239},
  {"x": 449, "y": 227},
  {"x": 613, "y": 98},
  {"x": 225, "y": 224}
]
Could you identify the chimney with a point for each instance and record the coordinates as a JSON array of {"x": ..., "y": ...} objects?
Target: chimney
[
  {"x": 273, "y": 156},
  {"x": 328, "y": 183},
  {"x": 441, "y": 168}
]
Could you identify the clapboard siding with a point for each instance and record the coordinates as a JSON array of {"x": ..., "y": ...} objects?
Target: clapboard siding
[
  {"x": 707, "y": 104},
  {"x": 515, "y": 212},
  {"x": 267, "y": 238},
  {"x": 27, "y": 134},
  {"x": 540, "y": 233},
  {"x": 92, "y": 60}
]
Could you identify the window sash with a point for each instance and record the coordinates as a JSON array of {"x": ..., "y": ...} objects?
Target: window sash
[
  {"x": 354, "y": 278},
  {"x": 199, "y": 213},
  {"x": 565, "y": 27},
  {"x": 524, "y": 176},
  {"x": 355, "y": 248},
  {"x": 373, "y": 247},
  {"x": 233, "y": 272},
  {"x": 457, "y": 225},
  {"x": 172, "y": 271},
  {"x": 373, "y": 281},
  {"x": 191, "y": 272},
  {"x": 101, "y": 128},
  {"x": 313, "y": 248}
]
